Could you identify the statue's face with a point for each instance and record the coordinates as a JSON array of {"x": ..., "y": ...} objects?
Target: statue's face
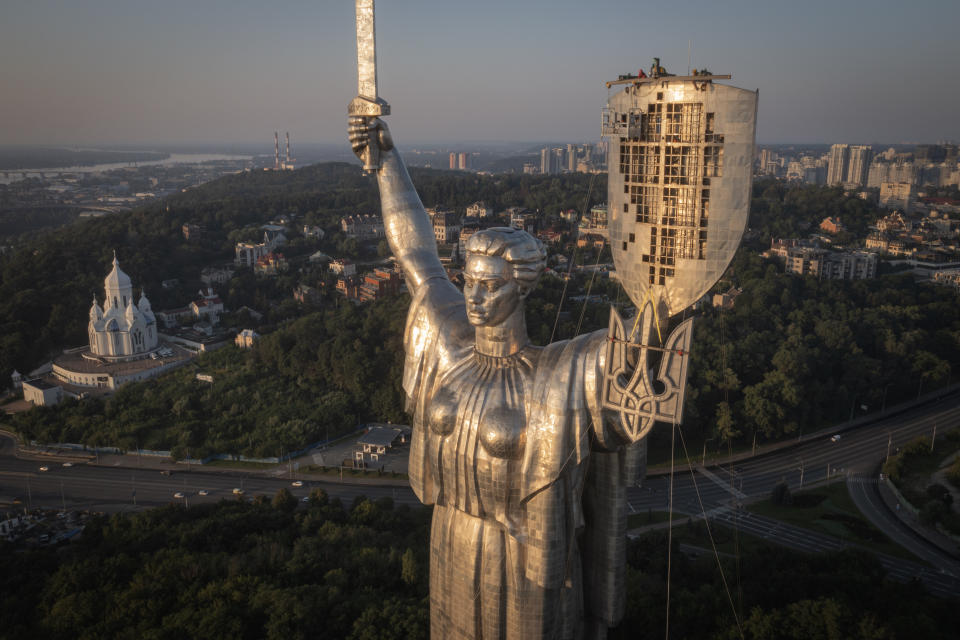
[{"x": 491, "y": 293}]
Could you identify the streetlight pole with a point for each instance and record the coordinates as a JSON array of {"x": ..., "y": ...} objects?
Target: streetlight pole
[
  {"x": 933, "y": 438},
  {"x": 703, "y": 460},
  {"x": 889, "y": 442},
  {"x": 801, "y": 472}
]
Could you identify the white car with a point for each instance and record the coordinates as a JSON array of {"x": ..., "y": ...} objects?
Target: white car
[
  {"x": 44, "y": 468},
  {"x": 68, "y": 464},
  {"x": 238, "y": 492},
  {"x": 203, "y": 492},
  {"x": 297, "y": 483},
  {"x": 178, "y": 494},
  {"x": 835, "y": 438}
]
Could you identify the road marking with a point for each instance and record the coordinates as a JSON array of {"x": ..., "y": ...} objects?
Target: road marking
[{"x": 712, "y": 477}]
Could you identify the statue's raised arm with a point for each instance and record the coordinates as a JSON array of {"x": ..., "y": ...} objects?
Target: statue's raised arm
[{"x": 406, "y": 223}]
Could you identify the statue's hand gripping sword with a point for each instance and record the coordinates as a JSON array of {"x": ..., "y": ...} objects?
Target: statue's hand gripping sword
[{"x": 367, "y": 104}]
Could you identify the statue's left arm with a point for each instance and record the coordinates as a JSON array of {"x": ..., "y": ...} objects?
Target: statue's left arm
[{"x": 406, "y": 223}]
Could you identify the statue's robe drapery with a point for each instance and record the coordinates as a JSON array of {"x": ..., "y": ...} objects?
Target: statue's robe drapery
[{"x": 527, "y": 477}]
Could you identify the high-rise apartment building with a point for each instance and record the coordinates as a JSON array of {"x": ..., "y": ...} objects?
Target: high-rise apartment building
[
  {"x": 899, "y": 196},
  {"x": 546, "y": 160},
  {"x": 838, "y": 164},
  {"x": 559, "y": 159},
  {"x": 571, "y": 158},
  {"x": 878, "y": 174},
  {"x": 453, "y": 160},
  {"x": 859, "y": 166}
]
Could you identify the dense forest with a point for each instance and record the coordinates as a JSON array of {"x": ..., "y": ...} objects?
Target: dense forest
[
  {"x": 797, "y": 353},
  {"x": 312, "y": 379},
  {"x": 789, "y": 210},
  {"x": 14, "y": 222},
  {"x": 267, "y": 569},
  {"x": 794, "y": 354},
  {"x": 47, "y": 282}
]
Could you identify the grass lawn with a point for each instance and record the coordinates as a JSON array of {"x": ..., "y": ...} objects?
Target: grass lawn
[
  {"x": 831, "y": 510},
  {"x": 693, "y": 531},
  {"x": 635, "y": 520},
  {"x": 919, "y": 468}
]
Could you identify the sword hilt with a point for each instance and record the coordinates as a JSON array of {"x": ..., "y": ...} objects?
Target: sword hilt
[{"x": 369, "y": 108}]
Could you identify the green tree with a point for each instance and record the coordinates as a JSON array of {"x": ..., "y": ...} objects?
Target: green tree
[
  {"x": 283, "y": 500},
  {"x": 410, "y": 571}
]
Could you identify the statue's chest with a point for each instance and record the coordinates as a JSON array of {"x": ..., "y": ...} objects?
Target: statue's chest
[
  {"x": 477, "y": 420},
  {"x": 485, "y": 403}
]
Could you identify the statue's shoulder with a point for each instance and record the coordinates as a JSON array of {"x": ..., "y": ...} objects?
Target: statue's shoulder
[
  {"x": 586, "y": 345},
  {"x": 438, "y": 314}
]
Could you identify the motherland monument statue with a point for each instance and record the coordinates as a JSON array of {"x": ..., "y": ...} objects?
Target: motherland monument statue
[{"x": 526, "y": 452}]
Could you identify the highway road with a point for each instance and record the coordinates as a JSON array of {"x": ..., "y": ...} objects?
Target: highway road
[
  {"x": 859, "y": 451},
  {"x": 113, "y": 489},
  {"x": 856, "y": 456},
  {"x": 717, "y": 490}
]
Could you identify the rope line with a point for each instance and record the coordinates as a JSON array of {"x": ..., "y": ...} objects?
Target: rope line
[
  {"x": 713, "y": 543},
  {"x": 673, "y": 432},
  {"x": 593, "y": 276},
  {"x": 573, "y": 255}
]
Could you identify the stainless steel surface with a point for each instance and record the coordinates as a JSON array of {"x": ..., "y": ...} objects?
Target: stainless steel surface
[
  {"x": 527, "y": 472},
  {"x": 526, "y": 452},
  {"x": 367, "y": 103},
  {"x": 680, "y": 169},
  {"x": 366, "y": 50},
  {"x": 700, "y": 78},
  {"x": 627, "y": 385}
]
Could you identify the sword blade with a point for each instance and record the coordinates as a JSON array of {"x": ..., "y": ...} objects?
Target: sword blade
[{"x": 366, "y": 51}]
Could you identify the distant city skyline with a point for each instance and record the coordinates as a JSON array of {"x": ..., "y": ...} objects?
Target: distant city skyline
[{"x": 137, "y": 72}]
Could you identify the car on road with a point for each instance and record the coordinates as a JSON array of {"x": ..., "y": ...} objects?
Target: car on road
[
  {"x": 178, "y": 494},
  {"x": 68, "y": 464},
  {"x": 297, "y": 483},
  {"x": 237, "y": 491},
  {"x": 835, "y": 438},
  {"x": 164, "y": 473},
  {"x": 203, "y": 492},
  {"x": 305, "y": 499},
  {"x": 44, "y": 468}
]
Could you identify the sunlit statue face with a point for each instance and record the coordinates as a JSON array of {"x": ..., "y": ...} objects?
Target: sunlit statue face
[{"x": 491, "y": 293}]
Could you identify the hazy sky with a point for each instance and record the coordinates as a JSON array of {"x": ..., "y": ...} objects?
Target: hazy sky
[{"x": 112, "y": 71}]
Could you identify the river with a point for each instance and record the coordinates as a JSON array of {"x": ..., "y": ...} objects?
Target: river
[{"x": 7, "y": 177}]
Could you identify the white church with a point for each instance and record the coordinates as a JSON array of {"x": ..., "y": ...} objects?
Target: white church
[
  {"x": 121, "y": 330},
  {"x": 124, "y": 343}
]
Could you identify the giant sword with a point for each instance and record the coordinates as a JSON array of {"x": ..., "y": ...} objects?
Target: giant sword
[{"x": 367, "y": 103}]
